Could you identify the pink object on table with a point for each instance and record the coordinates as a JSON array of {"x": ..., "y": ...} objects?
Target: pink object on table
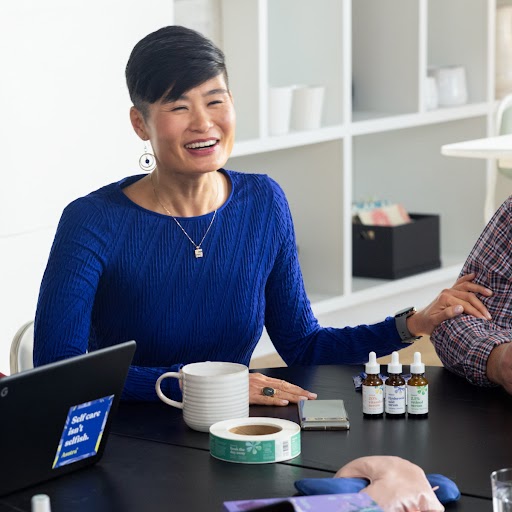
[{"x": 396, "y": 484}]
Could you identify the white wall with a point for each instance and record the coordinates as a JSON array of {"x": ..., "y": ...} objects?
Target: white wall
[{"x": 64, "y": 127}]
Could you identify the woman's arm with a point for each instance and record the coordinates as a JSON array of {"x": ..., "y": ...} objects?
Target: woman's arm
[
  {"x": 80, "y": 251},
  {"x": 66, "y": 297},
  {"x": 300, "y": 340}
]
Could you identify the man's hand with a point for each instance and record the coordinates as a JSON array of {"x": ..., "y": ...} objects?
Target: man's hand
[
  {"x": 451, "y": 302},
  {"x": 283, "y": 392},
  {"x": 499, "y": 366}
]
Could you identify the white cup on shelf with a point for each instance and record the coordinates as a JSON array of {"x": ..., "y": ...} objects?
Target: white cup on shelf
[
  {"x": 451, "y": 85},
  {"x": 279, "y": 109},
  {"x": 431, "y": 98},
  {"x": 307, "y": 107}
]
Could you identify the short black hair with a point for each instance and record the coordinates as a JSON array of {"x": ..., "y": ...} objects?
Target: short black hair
[{"x": 169, "y": 62}]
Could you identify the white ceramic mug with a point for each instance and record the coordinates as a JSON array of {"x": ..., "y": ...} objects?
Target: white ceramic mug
[
  {"x": 279, "y": 109},
  {"x": 451, "y": 85},
  {"x": 212, "y": 391},
  {"x": 307, "y": 107}
]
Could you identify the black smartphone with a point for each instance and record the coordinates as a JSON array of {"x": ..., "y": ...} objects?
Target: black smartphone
[{"x": 323, "y": 415}]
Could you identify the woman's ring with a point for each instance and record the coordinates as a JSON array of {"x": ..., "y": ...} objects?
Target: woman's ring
[{"x": 266, "y": 391}]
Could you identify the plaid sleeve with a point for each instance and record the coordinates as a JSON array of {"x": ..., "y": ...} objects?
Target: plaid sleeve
[{"x": 464, "y": 343}]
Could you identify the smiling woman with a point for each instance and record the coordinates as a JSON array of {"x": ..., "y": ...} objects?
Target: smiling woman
[
  {"x": 183, "y": 106},
  {"x": 193, "y": 260}
]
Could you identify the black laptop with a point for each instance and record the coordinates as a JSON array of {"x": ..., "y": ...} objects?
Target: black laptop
[{"x": 55, "y": 419}]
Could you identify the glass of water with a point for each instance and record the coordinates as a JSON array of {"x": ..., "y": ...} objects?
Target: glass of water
[{"x": 501, "y": 482}]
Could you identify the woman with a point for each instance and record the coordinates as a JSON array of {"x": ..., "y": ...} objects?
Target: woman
[{"x": 192, "y": 260}]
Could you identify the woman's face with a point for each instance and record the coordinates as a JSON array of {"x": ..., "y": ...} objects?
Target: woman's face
[{"x": 195, "y": 133}]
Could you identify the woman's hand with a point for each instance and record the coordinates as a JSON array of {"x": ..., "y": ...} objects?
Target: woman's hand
[
  {"x": 284, "y": 392},
  {"x": 451, "y": 302}
]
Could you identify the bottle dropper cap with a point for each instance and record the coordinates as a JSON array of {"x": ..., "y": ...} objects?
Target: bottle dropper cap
[
  {"x": 394, "y": 366},
  {"x": 372, "y": 367},
  {"x": 417, "y": 366},
  {"x": 41, "y": 503}
]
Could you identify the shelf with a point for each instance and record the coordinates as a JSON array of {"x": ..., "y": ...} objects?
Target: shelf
[
  {"x": 290, "y": 140},
  {"x": 377, "y": 138},
  {"x": 368, "y": 289},
  {"x": 364, "y": 123},
  {"x": 373, "y": 122}
]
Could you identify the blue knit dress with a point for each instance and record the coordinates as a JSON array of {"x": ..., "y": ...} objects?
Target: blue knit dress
[{"x": 119, "y": 272}]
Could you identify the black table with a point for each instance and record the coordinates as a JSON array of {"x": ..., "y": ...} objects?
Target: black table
[
  {"x": 154, "y": 462},
  {"x": 465, "y": 437},
  {"x": 136, "y": 475}
]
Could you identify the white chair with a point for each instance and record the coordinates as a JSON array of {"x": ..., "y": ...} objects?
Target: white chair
[
  {"x": 22, "y": 347},
  {"x": 502, "y": 125}
]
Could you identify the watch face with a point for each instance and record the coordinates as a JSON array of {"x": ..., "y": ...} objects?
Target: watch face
[{"x": 406, "y": 311}]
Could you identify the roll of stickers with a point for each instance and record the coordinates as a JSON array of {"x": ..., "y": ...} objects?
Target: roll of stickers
[{"x": 255, "y": 440}]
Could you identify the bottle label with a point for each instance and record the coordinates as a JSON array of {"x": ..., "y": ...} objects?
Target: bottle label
[
  {"x": 417, "y": 399},
  {"x": 395, "y": 399},
  {"x": 373, "y": 399}
]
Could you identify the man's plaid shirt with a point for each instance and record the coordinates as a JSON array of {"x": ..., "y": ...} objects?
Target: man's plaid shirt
[{"x": 464, "y": 343}]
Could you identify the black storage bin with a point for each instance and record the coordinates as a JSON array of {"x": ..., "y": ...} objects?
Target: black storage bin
[{"x": 391, "y": 252}]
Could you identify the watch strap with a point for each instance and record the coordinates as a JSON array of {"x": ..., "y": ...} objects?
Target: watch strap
[{"x": 401, "y": 326}]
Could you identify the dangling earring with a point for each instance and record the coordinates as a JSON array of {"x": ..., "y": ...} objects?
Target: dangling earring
[{"x": 147, "y": 161}]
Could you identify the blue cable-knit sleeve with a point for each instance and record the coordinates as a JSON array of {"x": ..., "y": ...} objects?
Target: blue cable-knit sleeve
[
  {"x": 66, "y": 297},
  {"x": 290, "y": 321},
  {"x": 63, "y": 317}
]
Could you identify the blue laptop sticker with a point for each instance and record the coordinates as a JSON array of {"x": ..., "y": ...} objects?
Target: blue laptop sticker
[{"x": 83, "y": 430}]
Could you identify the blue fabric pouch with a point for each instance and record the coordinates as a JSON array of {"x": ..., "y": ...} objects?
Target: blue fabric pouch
[{"x": 446, "y": 493}]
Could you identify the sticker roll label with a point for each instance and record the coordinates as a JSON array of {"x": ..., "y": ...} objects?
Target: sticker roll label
[{"x": 263, "y": 449}]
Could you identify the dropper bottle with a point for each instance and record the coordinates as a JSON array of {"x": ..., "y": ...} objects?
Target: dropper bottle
[
  {"x": 394, "y": 398},
  {"x": 417, "y": 390},
  {"x": 373, "y": 389}
]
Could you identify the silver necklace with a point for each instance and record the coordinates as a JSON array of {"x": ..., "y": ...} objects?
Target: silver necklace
[{"x": 198, "y": 252}]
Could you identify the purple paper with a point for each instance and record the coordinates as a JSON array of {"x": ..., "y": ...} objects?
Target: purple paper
[{"x": 321, "y": 503}]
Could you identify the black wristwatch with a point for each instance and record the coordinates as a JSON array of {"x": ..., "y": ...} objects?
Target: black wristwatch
[{"x": 401, "y": 325}]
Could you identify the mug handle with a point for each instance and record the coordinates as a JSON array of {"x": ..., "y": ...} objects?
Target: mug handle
[{"x": 161, "y": 395}]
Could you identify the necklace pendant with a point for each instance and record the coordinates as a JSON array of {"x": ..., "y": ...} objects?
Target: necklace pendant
[{"x": 198, "y": 252}]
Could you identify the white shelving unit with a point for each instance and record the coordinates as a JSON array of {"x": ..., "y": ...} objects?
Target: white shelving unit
[{"x": 377, "y": 138}]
